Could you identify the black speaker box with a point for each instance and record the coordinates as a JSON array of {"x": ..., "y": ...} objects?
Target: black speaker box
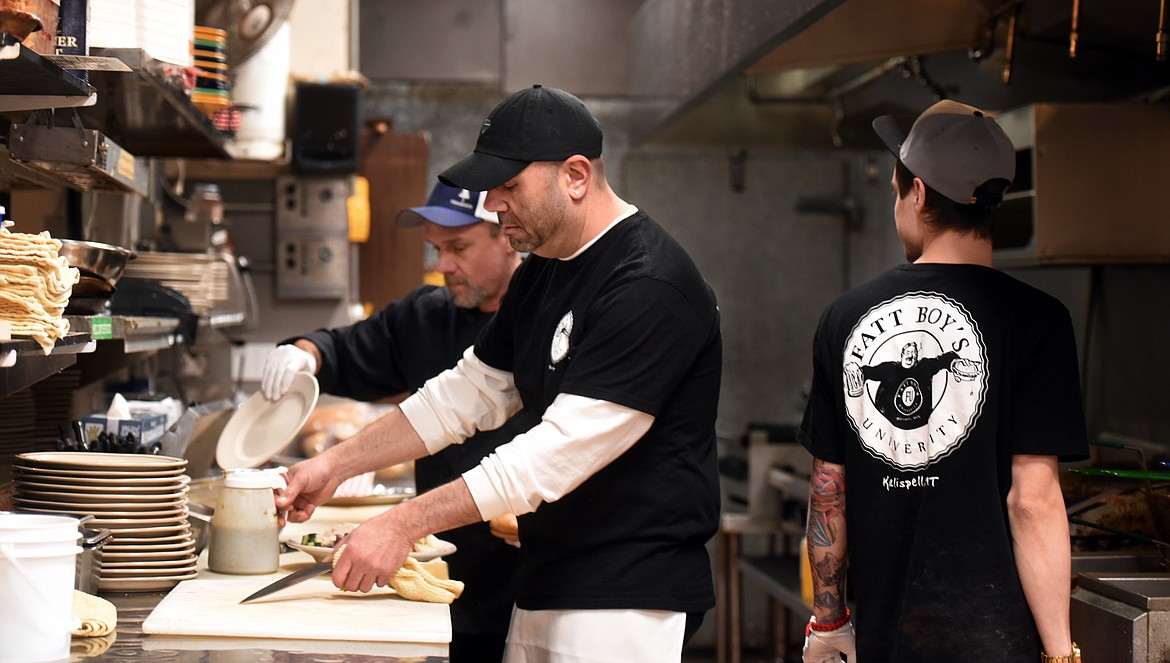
[{"x": 325, "y": 128}]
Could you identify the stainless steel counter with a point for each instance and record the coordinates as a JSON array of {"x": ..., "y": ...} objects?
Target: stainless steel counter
[{"x": 130, "y": 643}]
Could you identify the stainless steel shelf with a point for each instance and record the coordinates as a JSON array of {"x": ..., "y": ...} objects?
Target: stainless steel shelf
[
  {"x": 23, "y": 363},
  {"x": 147, "y": 112},
  {"x": 30, "y": 82},
  {"x": 138, "y": 334}
]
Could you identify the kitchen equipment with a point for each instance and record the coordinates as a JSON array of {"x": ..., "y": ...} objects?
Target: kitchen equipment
[
  {"x": 38, "y": 561},
  {"x": 1122, "y": 618},
  {"x": 245, "y": 533},
  {"x": 200, "y": 517},
  {"x": 294, "y": 578},
  {"x": 83, "y": 157},
  {"x": 89, "y": 560}
]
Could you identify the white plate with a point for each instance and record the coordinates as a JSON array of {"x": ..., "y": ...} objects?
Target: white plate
[
  {"x": 147, "y": 584},
  {"x": 102, "y": 511},
  {"x": 132, "y": 481},
  {"x": 260, "y": 428},
  {"x": 180, "y": 563},
  {"x": 123, "y": 540},
  {"x": 38, "y": 491},
  {"x": 178, "y": 554},
  {"x": 88, "y": 460},
  {"x": 399, "y": 495},
  {"x": 321, "y": 553}
]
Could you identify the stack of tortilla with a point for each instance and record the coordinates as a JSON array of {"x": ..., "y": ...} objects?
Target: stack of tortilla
[{"x": 35, "y": 285}]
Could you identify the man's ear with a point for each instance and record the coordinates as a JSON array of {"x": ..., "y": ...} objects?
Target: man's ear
[
  {"x": 577, "y": 174},
  {"x": 919, "y": 194}
]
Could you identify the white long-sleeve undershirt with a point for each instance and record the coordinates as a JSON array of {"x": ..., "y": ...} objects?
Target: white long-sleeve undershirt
[{"x": 577, "y": 436}]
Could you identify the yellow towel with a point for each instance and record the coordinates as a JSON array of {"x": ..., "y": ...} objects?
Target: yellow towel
[
  {"x": 98, "y": 616},
  {"x": 81, "y": 648},
  {"x": 416, "y": 583}
]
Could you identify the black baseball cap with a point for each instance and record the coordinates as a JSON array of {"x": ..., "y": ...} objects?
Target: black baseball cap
[
  {"x": 537, "y": 124},
  {"x": 954, "y": 148}
]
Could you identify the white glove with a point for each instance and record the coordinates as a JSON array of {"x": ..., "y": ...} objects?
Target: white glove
[
  {"x": 281, "y": 365},
  {"x": 827, "y": 646}
]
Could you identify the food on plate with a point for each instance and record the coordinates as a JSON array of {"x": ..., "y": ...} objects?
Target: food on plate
[{"x": 332, "y": 536}]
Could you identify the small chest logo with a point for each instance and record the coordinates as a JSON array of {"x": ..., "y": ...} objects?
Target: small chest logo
[
  {"x": 915, "y": 378},
  {"x": 560, "y": 340}
]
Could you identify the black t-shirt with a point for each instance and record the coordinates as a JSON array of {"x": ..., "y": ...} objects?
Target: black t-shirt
[
  {"x": 926, "y": 382},
  {"x": 629, "y": 321},
  {"x": 395, "y": 351}
]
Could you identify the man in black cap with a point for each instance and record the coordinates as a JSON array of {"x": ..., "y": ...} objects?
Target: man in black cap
[
  {"x": 395, "y": 351},
  {"x": 609, "y": 338},
  {"x": 955, "y": 539}
]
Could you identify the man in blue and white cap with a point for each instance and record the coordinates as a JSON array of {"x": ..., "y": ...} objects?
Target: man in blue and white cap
[{"x": 395, "y": 351}]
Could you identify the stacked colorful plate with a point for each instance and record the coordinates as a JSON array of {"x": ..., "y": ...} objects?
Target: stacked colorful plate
[
  {"x": 212, "y": 91},
  {"x": 141, "y": 499}
]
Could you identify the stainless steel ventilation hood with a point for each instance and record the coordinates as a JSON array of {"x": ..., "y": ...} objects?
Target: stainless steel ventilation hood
[{"x": 813, "y": 74}]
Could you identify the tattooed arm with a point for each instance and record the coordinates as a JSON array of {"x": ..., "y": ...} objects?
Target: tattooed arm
[{"x": 826, "y": 540}]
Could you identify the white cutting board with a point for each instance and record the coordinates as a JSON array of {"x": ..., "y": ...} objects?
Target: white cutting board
[{"x": 313, "y": 610}]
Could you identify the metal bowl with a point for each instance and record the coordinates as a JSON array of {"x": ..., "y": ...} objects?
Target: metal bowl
[{"x": 103, "y": 261}]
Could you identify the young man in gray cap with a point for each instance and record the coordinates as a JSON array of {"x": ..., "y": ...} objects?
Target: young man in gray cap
[
  {"x": 395, "y": 351},
  {"x": 944, "y": 393},
  {"x": 609, "y": 337}
]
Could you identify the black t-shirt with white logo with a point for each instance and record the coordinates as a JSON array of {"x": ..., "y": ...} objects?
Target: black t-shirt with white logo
[
  {"x": 926, "y": 382},
  {"x": 629, "y": 321}
]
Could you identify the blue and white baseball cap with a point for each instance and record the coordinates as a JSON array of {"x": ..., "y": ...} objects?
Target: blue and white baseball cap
[{"x": 449, "y": 207}]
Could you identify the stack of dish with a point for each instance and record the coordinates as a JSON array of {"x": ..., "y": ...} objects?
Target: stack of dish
[
  {"x": 212, "y": 91},
  {"x": 203, "y": 279},
  {"x": 141, "y": 499}
]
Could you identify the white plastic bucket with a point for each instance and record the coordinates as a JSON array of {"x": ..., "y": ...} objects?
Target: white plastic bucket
[{"x": 38, "y": 560}]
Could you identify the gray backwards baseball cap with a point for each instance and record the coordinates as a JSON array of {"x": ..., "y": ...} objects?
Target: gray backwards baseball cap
[
  {"x": 536, "y": 124},
  {"x": 450, "y": 207},
  {"x": 954, "y": 148}
]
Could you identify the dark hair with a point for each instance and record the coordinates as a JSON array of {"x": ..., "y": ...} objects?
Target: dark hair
[{"x": 978, "y": 217}]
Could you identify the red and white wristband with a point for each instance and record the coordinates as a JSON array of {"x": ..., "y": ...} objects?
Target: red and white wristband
[{"x": 831, "y": 626}]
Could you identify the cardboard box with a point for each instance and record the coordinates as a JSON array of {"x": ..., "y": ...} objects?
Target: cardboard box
[{"x": 146, "y": 426}]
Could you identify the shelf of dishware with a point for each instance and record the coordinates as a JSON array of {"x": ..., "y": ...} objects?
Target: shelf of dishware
[{"x": 148, "y": 112}]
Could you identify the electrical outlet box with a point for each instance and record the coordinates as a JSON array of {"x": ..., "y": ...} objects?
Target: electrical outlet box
[{"x": 312, "y": 255}]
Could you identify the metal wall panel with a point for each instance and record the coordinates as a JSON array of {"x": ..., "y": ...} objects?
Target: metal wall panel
[{"x": 456, "y": 40}]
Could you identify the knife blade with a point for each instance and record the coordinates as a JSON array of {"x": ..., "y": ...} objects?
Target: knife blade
[{"x": 296, "y": 577}]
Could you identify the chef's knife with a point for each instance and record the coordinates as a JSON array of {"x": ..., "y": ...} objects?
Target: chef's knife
[{"x": 296, "y": 577}]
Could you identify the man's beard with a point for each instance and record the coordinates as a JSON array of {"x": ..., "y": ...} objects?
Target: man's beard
[{"x": 469, "y": 296}]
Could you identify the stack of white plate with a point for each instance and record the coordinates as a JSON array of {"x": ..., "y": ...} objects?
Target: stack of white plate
[
  {"x": 202, "y": 278},
  {"x": 160, "y": 27},
  {"x": 141, "y": 499}
]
